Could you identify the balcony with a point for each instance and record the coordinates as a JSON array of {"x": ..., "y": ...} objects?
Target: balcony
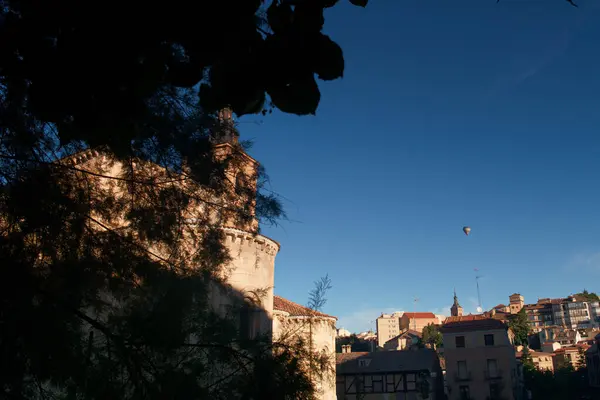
[
  {"x": 492, "y": 375},
  {"x": 464, "y": 377}
]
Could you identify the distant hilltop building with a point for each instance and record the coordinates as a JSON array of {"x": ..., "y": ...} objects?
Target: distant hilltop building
[
  {"x": 516, "y": 302},
  {"x": 571, "y": 312},
  {"x": 341, "y": 332}
]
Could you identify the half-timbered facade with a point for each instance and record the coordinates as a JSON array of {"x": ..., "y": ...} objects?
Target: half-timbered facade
[{"x": 405, "y": 375}]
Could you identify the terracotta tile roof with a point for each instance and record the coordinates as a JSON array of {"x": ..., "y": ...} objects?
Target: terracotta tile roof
[
  {"x": 387, "y": 361},
  {"x": 419, "y": 314},
  {"x": 499, "y": 315},
  {"x": 470, "y": 317},
  {"x": 341, "y": 358},
  {"x": 500, "y": 306},
  {"x": 295, "y": 309},
  {"x": 470, "y": 325},
  {"x": 535, "y": 354},
  {"x": 534, "y": 306},
  {"x": 407, "y": 333}
]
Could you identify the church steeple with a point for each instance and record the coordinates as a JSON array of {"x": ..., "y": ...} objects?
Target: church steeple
[
  {"x": 456, "y": 310},
  {"x": 225, "y": 130}
]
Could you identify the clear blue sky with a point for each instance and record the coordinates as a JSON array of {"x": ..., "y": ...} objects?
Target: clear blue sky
[{"x": 450, "y": 113}]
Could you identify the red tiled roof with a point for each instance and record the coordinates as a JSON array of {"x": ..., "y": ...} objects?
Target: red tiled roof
[
  {"x": 518, "y": 354},
  {"x": 407, "y": 333},
  {"x": 295, "y": 309},
  {"x": 475, "y": 324},
  {"x": 461, "y": 318},
  {"x": 419, "y": 314},
  {"x": 500, "y": 306},
  {"x": 534, "y": 306},
  {"x": 343, "y": 357}
]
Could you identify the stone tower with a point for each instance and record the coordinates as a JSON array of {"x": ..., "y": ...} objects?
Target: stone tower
[
  {"x": 456, "y": 310},
  {"x": 516, "y": 303}
]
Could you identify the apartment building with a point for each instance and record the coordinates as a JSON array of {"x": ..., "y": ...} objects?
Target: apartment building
[
  {"x": 539, "y": 315},
  {"x": 388, "y": 326},
  {"x": 563, "y": 336},
  {"x": 594, "y": 308},
  {"x": 592, "y": 356},
  {"x": 572, "y": 313},
  {"x": 480, "y": 359},
  {"x": 543, "y": 361},
  {"x": 417, "y": 320},
  {"x": 569, "y": 356}
]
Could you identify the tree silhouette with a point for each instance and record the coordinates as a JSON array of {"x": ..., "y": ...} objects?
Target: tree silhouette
[
  {"x": 116, "y": 180},
  {"x": 317, "y": 297},
  {"x": 432, "y": 336},
  {"x": 520, "y": 327}
]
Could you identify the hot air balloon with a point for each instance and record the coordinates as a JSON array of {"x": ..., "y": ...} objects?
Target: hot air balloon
[{"x": 466, "y": 230}]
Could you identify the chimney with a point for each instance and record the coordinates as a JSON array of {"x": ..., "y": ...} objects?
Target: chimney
[{"x": 346, "y": 348}]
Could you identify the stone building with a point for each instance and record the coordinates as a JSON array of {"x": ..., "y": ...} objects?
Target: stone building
[
  {"x": 249, "y": 276},
  {"x": 417, "y": 320},
  {"x": 593, "y": 363},
  {"x": 252, "y": 265},
  {"x": 516, "y": 303},
  {"x": 318, "y": 331},
  {"x": 544, "y": 361}
]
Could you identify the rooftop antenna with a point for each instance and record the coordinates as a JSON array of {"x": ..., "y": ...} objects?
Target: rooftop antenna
[{"x": 479, "y": 307}]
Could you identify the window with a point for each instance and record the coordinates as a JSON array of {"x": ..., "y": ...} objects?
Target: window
[
  {"x": 411, "y": 382},
  {"x": 492, "y": 368},
  {"x": 489, "y": 339},
  {"x": 364, "y": 362},
  {"x": 462, "y": 369},
  {"x": 460, "y": 341},
  {"x": 250, "y": 322},
  {"x": 241, "y": 184},
  {"x": 464, "y": 392},
  {"x": 494, "y": 391}
]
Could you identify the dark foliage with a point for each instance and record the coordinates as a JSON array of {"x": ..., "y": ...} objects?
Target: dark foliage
[
  {"x": 520, "y": 327},
  {"x": 587, "y": 296},
  {"x": 115, "y": 185},
  {"x": 318, "y": 296},
  {"x": 565, "y": 383},
  {"x": 432, "y": 336}
]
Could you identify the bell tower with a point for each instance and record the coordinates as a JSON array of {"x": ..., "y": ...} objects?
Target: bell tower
[
  {"x": 456, "y": 310},
  {"x": 225, "y": 131},
  {"x": 241, "y": 170}
]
